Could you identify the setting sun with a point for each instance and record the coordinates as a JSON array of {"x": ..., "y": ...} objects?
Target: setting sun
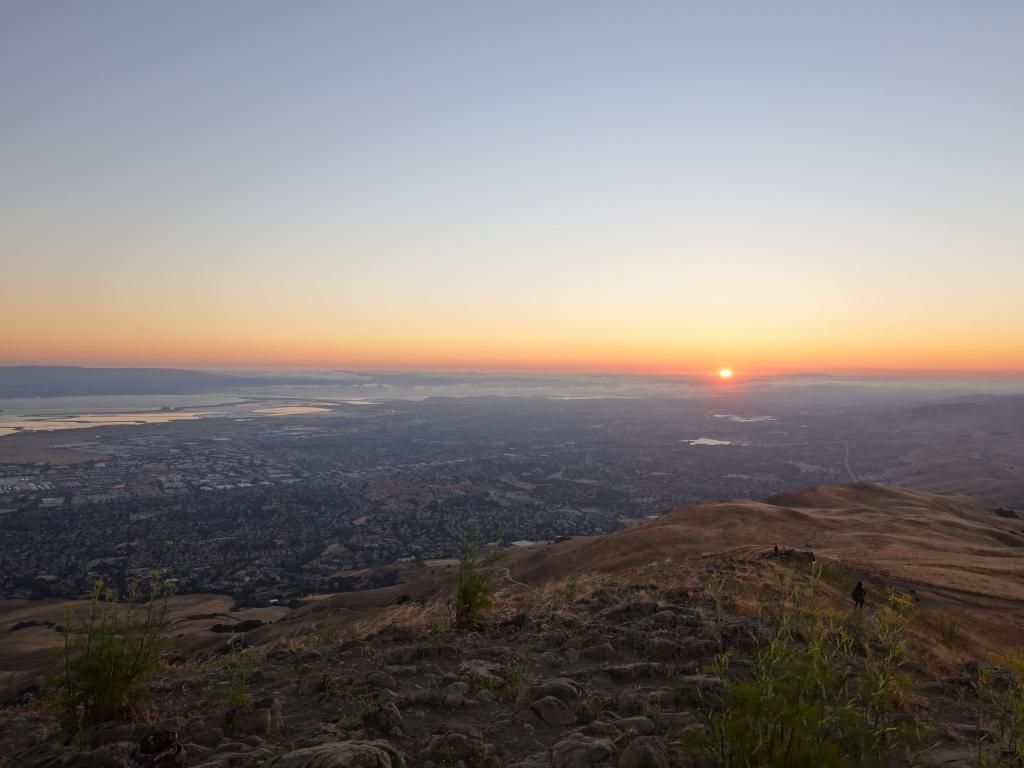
[{"x": 725, "y": 373}]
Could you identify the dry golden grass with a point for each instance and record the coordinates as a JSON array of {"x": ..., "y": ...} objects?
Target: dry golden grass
[
  {"x": 421, "y": 618},
  {"x": 952, "y": 551}
]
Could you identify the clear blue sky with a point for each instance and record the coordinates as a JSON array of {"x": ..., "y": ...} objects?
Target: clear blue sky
[{"x": 662, "y": 186}]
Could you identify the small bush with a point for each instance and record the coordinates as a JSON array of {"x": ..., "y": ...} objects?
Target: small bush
[
  {"x": 328, "y": 631},
  {"x": 328, "y": 683},
  {"x": 514, "y": 685},
  {"x": 509, "y": 685},
  {"x": 239, "y": 675},
  {"x": 1003, "y": 687},
  {"x": 108, "y": 658},
  {"x": 571, "y": 590},
  {"x": 802, "y": 705},
  {"x": 474, "y": 593}
]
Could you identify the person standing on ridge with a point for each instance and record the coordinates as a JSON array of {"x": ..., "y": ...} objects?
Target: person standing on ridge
[{"x": 858, "y": 595}]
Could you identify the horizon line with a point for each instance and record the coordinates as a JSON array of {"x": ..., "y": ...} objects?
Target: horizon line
[{"x": 739, "y": 373}]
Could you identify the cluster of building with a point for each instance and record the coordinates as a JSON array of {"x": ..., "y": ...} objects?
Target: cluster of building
[{"x": 271, "y": 510}]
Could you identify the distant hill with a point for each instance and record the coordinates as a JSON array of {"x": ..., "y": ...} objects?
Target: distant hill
[
  {"x": 954, "y": 550},
  {"x": 70, "y": 380},
  {"x": 973, "y": 446}
]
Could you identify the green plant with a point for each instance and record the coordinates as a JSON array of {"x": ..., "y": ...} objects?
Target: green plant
[
  {"x": 571, "y": 590},
  {"x": 798, "y": 706},
  {"x": 514, "y": 684},
  {"x": 476, "y": 587},
  {"x": 239, "y": 676},
  {"x": 1003, "y": 687},
  {"x": 108, "y": 658},
  {"x": 510, "y": 684},
  {"x": 328, "y": 630},
  {"x": 883, "y": 684},
  {"x": 652, "y": 710},
  {"x": 716, "y": 589},
  {"x": 328, "y": 683}
]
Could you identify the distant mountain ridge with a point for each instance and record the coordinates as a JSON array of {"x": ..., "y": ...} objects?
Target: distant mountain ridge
[{"x": 70, "y": 380}]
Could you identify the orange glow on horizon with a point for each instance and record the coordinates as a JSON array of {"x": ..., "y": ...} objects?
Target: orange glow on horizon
[
  {"x": 671, "y": 343},
  {"x": 242, "y": 356}
]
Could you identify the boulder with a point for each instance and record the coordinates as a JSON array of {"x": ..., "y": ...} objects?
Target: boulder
[
  {"x": 641, "y": 725},
  {"x": 599, "y": 652},
  {"x": 676, "y": 721},
  {"x": 601, "y": 729},
  {"x": 402, "y": 655},
  {"x": 252, "y": 759},
  {"x": 692, "y": 687},
  {"x": 637, "y": 671},
  {"x": 500, "y": 653},
  {"x": 381, "y": 680},
  {"x": 208, "y": 737},
  {"x": 437, "y": 651},
  {"x": 698, "y": 648},
  {"x": 579, "y": 751},
  {"x": 482, "y": 671},
  {"x": 536, "y": 760},
  {"x": 559, "y": 687},
  {"x": 196, "y": 753},
  {"x": 455, "y": 695},
  {"x": 347, "y": 754},
  {"x": 386, "y": 719},
  {"x": 627, "y": 611},
  {"x": 460, "y": 743},
  {"x": 660, "y": 649},
  {"x": 636, "y": 700},
  {"x": 115, "y": 755},
  {"x": 664, "y": 619},
  {"x": 262, "y": 718},
  {"x": 110, "y": 732},
  {"x": 402, "y": 670},
  {"x": 644, "y": 752},
  {"x": 553, "y": 711}
]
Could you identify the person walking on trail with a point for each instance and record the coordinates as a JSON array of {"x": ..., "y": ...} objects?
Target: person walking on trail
[{"x": 858, "y": 595}]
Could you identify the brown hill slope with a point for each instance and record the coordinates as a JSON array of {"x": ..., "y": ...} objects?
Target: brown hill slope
[{"x": 949, "y": 549}]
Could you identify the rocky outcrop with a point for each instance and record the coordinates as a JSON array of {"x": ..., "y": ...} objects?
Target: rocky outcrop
[
  {"x": 611, "y": 682},
  {"x": 350, "y": 754}
]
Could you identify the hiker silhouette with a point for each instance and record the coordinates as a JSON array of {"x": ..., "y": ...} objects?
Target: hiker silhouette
[{"x": 858, "y": 595}]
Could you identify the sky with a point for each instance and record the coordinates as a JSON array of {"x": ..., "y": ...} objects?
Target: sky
[{"x": 596, "y": 186}]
